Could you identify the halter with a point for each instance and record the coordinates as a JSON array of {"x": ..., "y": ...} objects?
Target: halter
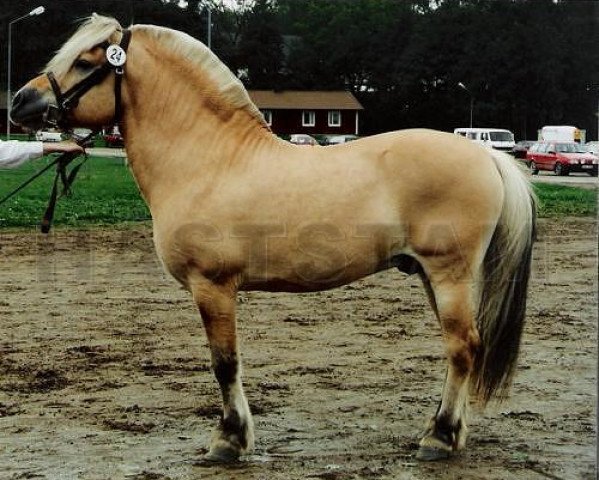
[
  {"x": 116, "y": 56},
  {"x": 56, "y": 115}
]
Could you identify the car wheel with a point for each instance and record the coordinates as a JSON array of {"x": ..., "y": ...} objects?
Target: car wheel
[
  {"x": 533, "y": 168},
  {"x": 560, "y": 170}
]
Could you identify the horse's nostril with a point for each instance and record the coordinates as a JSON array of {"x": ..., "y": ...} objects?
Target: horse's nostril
[
  {"x": 24, "y": 97},
  {"x": 28, "y": 108}
]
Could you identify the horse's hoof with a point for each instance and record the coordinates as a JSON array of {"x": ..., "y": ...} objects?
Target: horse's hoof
[
  {"x": 222, "y": 455},
  {"x": 431, "y": 454}
]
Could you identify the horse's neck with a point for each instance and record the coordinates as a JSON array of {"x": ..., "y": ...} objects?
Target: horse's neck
[{"x": 175, "y": 137}]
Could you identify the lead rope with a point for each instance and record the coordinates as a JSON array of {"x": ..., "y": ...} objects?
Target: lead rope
[{"x": 66, "y": 177}]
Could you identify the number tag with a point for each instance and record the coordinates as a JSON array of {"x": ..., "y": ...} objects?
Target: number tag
[{"x": 116, "y": 56}]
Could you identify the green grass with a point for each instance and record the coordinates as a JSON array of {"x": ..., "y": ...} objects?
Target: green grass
[
  {"x": 105, "y": 193},
  {"x": 98, "y": 141},
  {"x": 561, "y": 201}
]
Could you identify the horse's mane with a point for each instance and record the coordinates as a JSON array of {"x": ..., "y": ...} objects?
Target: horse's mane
[
  {"x": 97, "y": 29},
  {"x": 92, "y": 31}
]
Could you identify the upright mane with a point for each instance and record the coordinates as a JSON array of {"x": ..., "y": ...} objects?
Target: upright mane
[
  {"x": 196, "y": 53},
  {"x": 97, "y": 29}
]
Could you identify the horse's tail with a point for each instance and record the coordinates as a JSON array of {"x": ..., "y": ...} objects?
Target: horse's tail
[{"x": 506, "y": 270}]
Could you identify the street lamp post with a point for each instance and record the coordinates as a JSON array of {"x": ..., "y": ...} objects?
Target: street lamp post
[
  {"x": 208, "y": 8},
  {"x": 590, "y": 88},
  {"x": 36, "y": 11},
  {"x": 210, "y": 27},
  {"x": 463, "y": 87}
]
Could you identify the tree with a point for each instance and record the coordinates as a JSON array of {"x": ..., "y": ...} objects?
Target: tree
[
  {"x": 527, "y": 62},
  {"x": 261, "y": 47}
]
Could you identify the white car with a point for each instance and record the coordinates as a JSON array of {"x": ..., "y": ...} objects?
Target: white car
[
  {"x": 48, "y": 136},
  {"x": 592, "y": 147},
  {"x": 337, "y": 139},
  {"x": 303, "y": 139}
]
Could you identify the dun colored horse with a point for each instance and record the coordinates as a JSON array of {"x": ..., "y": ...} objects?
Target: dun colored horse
[{"x": 236, "y": 208}]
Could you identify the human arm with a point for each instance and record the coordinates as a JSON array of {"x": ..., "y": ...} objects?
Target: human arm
[
  {"x": 62, "y": 147},
  {"x": 15, "y": 153}
]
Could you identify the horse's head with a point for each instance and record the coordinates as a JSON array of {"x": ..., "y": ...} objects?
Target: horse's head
[{"x": 78, "y": 86}]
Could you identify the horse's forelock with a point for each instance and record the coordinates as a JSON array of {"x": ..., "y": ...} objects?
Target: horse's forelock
[{"x": 92, "y": 31}]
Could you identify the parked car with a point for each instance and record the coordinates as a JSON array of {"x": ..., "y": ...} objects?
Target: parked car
[
  {"x": 521, "y": 147},
  {"x": 48, "y": 136},
  {"x": 337, "y": 139},
  {"x": 592, "y": 147},
  {"x": 303, "y": 139},
  {"x": 561, "y": 158},
  {"x": 497, "y": 138},
  {"x": 78, "y": 134},
  {"x": 113, "y": 138}
]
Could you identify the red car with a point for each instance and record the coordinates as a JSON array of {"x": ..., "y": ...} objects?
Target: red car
[
  {"x": 561, "y": 158},
  {"x": 113, "y": 138}
]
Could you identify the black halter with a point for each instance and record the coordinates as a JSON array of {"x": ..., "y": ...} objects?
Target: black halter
[{"x": 56, "y": 115}]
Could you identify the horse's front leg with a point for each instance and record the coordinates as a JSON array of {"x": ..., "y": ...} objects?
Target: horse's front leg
[{"x": 234, "y": 435}]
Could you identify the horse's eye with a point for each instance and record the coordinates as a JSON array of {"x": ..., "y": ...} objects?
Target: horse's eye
[{"x": 83, "y": 64}]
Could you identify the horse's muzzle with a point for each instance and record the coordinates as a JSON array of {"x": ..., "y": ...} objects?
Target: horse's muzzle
[{"x": 29, "y": 108}]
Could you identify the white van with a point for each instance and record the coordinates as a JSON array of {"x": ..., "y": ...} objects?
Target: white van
[{"x": 497, "y": 138}]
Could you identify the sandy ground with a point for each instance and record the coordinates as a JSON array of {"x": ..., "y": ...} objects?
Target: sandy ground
[{"x": 104, "y": 371}]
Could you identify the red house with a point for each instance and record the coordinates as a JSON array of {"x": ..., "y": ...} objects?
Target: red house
[{"x": 313, "y": 112}]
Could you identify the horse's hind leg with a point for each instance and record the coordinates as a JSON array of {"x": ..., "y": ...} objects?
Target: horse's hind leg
[
  {"x": 235, "y": 434},
  {"x": 452, "y": 292}
]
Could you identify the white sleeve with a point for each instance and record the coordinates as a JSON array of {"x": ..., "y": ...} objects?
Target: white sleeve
[{"x": 15, "y": 153}]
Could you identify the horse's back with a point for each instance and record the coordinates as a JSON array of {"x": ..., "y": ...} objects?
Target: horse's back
[
  {"x": 427, "y": 168},
  {"x": 422, "y": 151},
  {"x": 448, "y": 190}
]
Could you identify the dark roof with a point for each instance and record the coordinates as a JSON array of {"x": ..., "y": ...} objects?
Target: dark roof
[{"x": 304, "y": 100}]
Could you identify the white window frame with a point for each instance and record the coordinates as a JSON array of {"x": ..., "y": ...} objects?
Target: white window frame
[
  {"x": 331, "y": 118},
  {"x": 267, "y": 114},
  {"x": 311, "y": 120}
]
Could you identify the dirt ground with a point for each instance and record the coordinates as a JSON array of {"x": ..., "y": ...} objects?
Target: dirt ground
[{"x": 104, "y": 370}]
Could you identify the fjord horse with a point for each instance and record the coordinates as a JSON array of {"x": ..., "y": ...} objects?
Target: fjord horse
[{"x": 236, "y": 208}]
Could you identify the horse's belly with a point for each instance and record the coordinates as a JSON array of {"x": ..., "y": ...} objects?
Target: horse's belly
[
  {"x": 301, "y": 283},
  {"x": 307, "y": 271},
  {"x": 314, "y": 258}
]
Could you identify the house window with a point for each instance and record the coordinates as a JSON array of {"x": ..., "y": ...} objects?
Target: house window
[
  {"x": 334, "y": 118},
  {"x": 308, "y": 118},
  {"x": 267, "y": 114}
]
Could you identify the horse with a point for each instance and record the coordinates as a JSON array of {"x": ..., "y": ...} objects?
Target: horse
[{"x": 235, "y": 208}]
